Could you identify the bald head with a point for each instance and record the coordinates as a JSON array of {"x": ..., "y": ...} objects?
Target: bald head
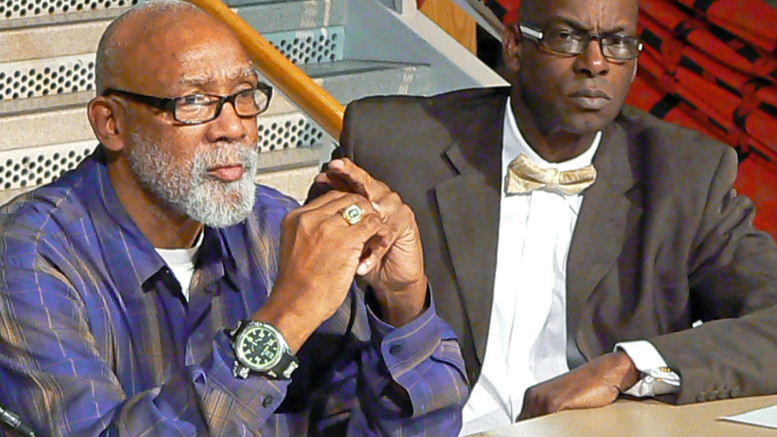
[
  {"x": 143, "y": 31},
  {"x": 532, "y": 11}
]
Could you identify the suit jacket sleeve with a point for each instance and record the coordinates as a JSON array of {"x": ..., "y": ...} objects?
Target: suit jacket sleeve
[{"x": 732, "y": 280}]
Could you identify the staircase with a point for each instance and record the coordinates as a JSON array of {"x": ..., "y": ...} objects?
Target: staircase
[{"x": 353, "y": 48}]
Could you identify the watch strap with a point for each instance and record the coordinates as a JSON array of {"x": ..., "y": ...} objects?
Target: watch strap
[{"x": 285, "y": 367}]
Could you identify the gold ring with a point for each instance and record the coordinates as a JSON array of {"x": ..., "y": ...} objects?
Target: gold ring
[{"x": 353, "y": 214}]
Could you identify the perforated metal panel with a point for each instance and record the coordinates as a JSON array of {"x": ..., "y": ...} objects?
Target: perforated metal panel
[
  {"x": 72, "y": 74},
  {"x": 288, "y": 131},
  {"x": 40, "y": 165},
  {"x": 43, "y": 77},
  {"x": 37, "y": 8},
  {"x": 310, "y": 46}
]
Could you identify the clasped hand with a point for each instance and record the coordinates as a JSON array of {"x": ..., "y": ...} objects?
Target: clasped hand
[{"x": 321, "y": 252}]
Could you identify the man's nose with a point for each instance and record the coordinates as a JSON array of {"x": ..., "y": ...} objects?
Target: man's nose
[
  {"x": 228, "y": 125},
  {"x": 591, "y": 62}
]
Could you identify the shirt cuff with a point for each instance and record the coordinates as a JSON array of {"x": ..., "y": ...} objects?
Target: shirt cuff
[
  {"x": 414, "y": 356},
  {"x": 257, "y": 396},
  {"x": 405, "y": 346},
  {"x": 657, "y": 377}
]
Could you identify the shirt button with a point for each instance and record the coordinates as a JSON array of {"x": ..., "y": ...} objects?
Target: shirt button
[
  {"x": 267, "y": 401},
  {"x": 395, "y": 349}
]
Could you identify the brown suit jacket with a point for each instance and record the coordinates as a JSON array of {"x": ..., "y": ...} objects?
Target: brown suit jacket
[{"x": 662, "y": 239}]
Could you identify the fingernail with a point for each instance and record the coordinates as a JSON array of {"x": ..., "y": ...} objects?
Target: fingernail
[
  {"x": 363, "y": 268},
  {"x": 336, "y": 164},
  {"x": 375, "y": 205}
]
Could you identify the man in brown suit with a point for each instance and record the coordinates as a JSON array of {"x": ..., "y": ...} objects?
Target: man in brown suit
[{"x": 660, "y": 242}]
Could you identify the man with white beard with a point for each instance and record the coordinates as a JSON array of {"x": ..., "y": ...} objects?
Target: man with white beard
[{"x": 156, "y": 290}]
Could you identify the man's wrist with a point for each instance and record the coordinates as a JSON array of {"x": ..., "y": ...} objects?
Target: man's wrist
[
  {"x": 656, "y": 377},
  {"x": 400, "y": 307},
  {"x": 295, "y": 328},
  {"x": 630, "y": 373}
]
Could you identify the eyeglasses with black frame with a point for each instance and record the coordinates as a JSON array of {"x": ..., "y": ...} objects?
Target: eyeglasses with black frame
[
  {"x": 202, "y": 108},
  {"x": 568, "y": 42}
]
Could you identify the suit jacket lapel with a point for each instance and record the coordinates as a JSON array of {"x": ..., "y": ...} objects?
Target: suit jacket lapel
[
  {"x": 469, "y": 210},
  {"x": 601, "y": 227}
]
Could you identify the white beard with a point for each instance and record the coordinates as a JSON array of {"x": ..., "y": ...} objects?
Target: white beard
[{"x": 186, "y": 186}]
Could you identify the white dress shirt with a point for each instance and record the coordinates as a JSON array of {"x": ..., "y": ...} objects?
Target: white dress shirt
[{"x": 527, "y": 337}]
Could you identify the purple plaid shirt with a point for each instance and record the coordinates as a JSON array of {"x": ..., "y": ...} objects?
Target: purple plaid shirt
[{"x": 96, "y": 337}]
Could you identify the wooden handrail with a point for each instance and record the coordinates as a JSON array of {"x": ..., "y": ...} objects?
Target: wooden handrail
[{"x": 307, "y": 94}]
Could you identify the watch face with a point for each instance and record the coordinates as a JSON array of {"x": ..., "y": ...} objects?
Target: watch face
[{"x": 258, "y": 348}]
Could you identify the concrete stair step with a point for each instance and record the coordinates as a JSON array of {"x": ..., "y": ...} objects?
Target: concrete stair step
[
  {"x": 33, "y": 13},
  {"x": 286, "y": 141},
  {"x": 26, "y": 13},
  {"x": 17, "y": 44},
  {"x": 289, "y": 140},
  {"x": 351, "y": 79},
  {"x": 46, "y": 79},
  {"x": 290, "y": 171},
  {"x": 47, "y": 82},
  {"x": 42, "y": 35},
  {"x": 275, "y": 16},
  {"x": 63, "y": 117}
]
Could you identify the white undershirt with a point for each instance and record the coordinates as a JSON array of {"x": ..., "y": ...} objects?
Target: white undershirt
[
  {"x": 181, "y": 263},
  {"x": 527, "y": 341}
]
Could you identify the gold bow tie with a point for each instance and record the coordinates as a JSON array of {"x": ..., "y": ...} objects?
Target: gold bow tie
[{"x": 525, "y": 176}]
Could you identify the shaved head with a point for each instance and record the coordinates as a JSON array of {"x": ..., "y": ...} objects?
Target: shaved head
[
  {"x": 532, "y": 10},
  {"x": 134, "y": 29}
]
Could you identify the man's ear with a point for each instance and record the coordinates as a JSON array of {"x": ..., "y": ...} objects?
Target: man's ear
[
  {"x": 512, "y": 42},
  {"x": 105, "y": 116}
]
